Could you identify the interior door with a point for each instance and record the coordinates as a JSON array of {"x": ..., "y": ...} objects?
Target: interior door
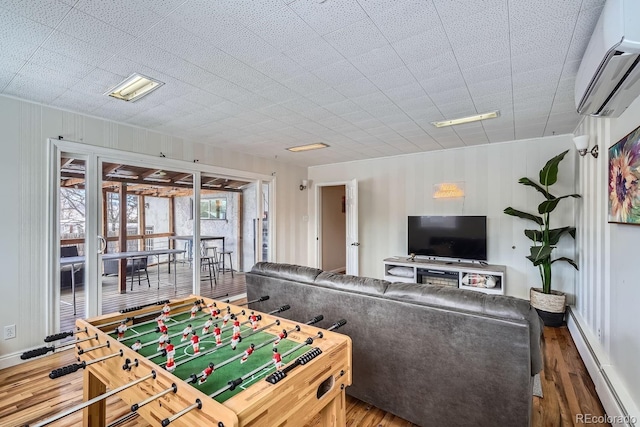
[{"x": 353, "y": 245}]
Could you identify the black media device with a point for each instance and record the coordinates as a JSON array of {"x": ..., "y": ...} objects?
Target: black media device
[{"x": 453, "y": 237}]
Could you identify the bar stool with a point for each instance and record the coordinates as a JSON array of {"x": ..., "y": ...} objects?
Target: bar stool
[
  {"x": 209, "y": 261},
  {"x": 224, "y": 269},
  {"x": 137, "y": 264}
]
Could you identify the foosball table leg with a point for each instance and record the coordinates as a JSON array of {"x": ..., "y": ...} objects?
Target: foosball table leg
[
  {"x": 93, "y": 415},
  {"x": 334, "y": 413}
]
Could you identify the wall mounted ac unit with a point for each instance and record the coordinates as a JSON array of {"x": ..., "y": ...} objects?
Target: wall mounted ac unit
[{"x": 608, "y": 79}]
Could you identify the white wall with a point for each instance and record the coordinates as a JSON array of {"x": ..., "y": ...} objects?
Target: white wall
[
  {"x": 608, "y": 294},
  {"x": 23, "y": 165},
  {"x": 392, "y": 188}
]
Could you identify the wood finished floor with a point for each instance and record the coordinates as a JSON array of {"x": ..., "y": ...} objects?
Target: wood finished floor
[{"x": 28, "y": 395}]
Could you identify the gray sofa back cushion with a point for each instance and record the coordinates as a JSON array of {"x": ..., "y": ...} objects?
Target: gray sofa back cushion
[
  {"x": 296, "y": 273},
  {"x": 362, "y": 285}
]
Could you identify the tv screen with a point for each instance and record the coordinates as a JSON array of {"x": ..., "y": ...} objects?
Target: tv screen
[{"x": 455, "y": 237}]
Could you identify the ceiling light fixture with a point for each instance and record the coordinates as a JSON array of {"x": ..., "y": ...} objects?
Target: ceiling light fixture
[
  {"x": 316, "y": 146},
  {"x": 469, "y": 119},
  {"x": 134, "y": 87}
]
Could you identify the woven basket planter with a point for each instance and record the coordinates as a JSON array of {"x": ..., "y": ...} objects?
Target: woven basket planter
[{"x": 555, "y": 302}]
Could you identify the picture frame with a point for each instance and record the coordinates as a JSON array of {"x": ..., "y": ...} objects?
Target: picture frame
[
  {"x": 213, "y": 208},
  {"x": 624, "y": 180}
]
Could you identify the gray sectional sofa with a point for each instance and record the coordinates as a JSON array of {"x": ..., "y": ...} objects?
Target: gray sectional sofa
[{"x": 434, "y": 356}]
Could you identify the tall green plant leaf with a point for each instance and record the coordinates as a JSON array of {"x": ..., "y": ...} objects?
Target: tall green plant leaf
[
  {"x": 539, "y": 254},
  {"x": 549, "y": 173},
  {"x": 565, "y": 259},
  {"x": 513, "y": 212},
  {"x": 556, "y": 233},
  {"x": 530, "y": 183},
  {"x": 535, "y": 235},
  {"x": 549, "y": 205}
]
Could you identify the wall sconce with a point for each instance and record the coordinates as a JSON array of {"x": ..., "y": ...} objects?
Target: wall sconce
[
  {"x": 303, "y": 185},
  {"x": 582, "y": 144}
]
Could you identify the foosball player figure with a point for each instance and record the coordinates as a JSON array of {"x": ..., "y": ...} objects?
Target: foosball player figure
[
  {"x": 213, "y": 310},
  {"x": 171, "y": 353},
  {"x": 160, "y": 321},
  {"x": 195, "y": 343},
  {"x": 218, "y": 334},
  {"x": 226, "y": 317},
  {"x": 235, "y": 339},
  {"x": 163, "y": 329},
  {"x": 277, "y": 359},
  {"x": 121, "y": 330},
  {"x": 207, "y": 325},
  {"x": 206, "y": 373},
  {"x": 166, "y": 311},
  {"x": 136, "y": 346},
  {"x": 247, "y": 353},
  {"x": 162, "y": 341},
  {"x": 282, "y": 335},
  {"x": 254, "y": 321},
  {"x": 186, "y": 332},
  {"x": 236, "y": 326},
  {"x": 195, "y": 309}
]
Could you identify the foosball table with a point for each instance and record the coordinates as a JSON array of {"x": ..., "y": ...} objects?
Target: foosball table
[{"x": 200, "y": 361}]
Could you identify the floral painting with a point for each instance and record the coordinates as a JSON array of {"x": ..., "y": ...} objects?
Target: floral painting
[{"x": 624, "y": 177}]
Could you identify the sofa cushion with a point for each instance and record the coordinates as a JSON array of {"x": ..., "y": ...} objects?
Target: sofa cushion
[
  {"x": 296, "y": 273},
  {"x": 345, "y": 282}
]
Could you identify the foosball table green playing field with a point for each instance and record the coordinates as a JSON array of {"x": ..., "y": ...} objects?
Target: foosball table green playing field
[{"x": 198, "y": 361}]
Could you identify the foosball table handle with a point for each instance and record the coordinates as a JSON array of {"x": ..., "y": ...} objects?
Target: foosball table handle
[
  {"x": 36, "y": 352},
  {"x": 234, "y": 383},
  {"x": 59, "y": 336},
  {"x": 57, "y": 373}
]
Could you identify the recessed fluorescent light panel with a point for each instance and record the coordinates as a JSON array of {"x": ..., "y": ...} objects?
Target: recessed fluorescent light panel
[
  {"x": 134, "y": 87},
  {"x": 462, "y": 120},
  {"x": 308, "y": 147}
]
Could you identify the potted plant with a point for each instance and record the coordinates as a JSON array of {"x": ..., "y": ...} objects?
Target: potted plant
[{"x": 550, "y": 304}]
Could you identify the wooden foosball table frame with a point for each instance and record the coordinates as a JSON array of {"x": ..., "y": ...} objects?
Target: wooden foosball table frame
[{"x": 318, "y": 387}]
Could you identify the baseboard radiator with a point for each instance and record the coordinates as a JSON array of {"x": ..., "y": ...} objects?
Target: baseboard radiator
[{"x": 618, "y": 405}]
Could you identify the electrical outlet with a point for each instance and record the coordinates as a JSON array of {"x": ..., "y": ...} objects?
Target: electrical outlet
[{"x": 9, "y": 332}]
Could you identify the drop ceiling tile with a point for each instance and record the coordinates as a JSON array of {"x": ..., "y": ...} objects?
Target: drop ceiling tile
[
  {"x": 138, "y": 18},
  {"x": 489, "y": 87},
  {"x": 450, "y": 142},
  {"x": 404, "y": 19},
  {"x": 279, "y": 67},
  {"x": 475, "y": 140},
  {"x": 422, "y": 46},
  {"x": 440, "y": 65},
  {"x": 501, "y": 135},
  {"x": 247, "y": 47},
  {"x": 282, "y": 28},
  {"x": 95, "y": 32},
  {"x": 449, "y": 81},
  {"x": 197, "y": 15},
  {"x": 277, "y": 93},
  {"x": 16, "y": 29},
  {"x": 487, "y": 24},
  {"x": 162, "y": 7},
  {"x": 252, "y": 11},
  {"x": 582, "y": 32},
  {"x": 488, "y": 71},
  {"x": 556, "y": 33},
  {"x": 47, "y": 12},
  {"x": 56, "y": 61},
  {"x": 460, "y": 94},
  {"x": 326, "y": 17},
  {"x": 314, "y": 55},
  {"x": 343, "y": 107},
  {"x": 76, "y": 101},
  {"x": 338, "y": 73},
  {"x": 404, "y": 93},
  {"x": 33, "y": 90},
  {"x": 326, "y": 96},
  {"x": 537, "y": 77},
  {"x": 525, "y": 14},
  {"x": 357, "y": 88},
  {"x": 357, "y": 38},
  {"x": 383, "y": 110},
  {"x": 538, "y": 59},
  {"x": 377, "y": 61},
  {"x": 397, "y": 77},
  {"x": 485, "y": 52},
  {"x": 456, "y": 9},
  {"x": 305, "y": 83},
  {"x": 458, "y": 109}
]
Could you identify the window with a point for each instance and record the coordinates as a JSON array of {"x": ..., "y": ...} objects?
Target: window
[{"x": 215, "y": 208}]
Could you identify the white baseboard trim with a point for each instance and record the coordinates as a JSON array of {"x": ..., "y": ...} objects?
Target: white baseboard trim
[
  {"x": 8, "y": 360},
  {"x": 618, "y": 405}
]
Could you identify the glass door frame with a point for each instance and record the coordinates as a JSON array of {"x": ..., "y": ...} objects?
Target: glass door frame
[{"x": 93, "y": 156}]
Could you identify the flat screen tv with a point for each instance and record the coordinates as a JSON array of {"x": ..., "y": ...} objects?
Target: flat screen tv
[{"x": 453, "y": 237}]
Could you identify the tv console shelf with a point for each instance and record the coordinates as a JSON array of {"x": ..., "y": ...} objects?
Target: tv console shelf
[{"x": 456, "y": 274}]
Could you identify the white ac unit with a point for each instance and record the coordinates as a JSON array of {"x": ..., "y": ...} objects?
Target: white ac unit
[{"x": 608, "y": 79}]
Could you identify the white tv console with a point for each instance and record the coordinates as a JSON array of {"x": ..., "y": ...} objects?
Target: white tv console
[{"x": 444, "y": 273}]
